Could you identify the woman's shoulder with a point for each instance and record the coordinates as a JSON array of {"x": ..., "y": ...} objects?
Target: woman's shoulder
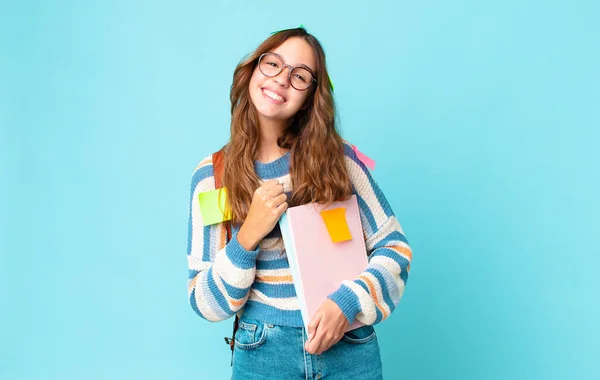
[
  {"x": 352, "y": 159},
  {"x": 204, "y": 173},
  {"x": 205, "y": 165},
  {"x": 347, "y": 148}
]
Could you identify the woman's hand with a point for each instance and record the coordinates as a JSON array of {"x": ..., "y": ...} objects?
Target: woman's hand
[
  {"x": 268, "y": 204},
  {"x": 326, "y": 328}
]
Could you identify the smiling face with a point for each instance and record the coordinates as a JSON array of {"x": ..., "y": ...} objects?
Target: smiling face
[{"x": 274, "y": 97}]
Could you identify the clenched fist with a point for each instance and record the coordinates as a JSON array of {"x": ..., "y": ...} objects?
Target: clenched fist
[{"x": 268, "y": 204}]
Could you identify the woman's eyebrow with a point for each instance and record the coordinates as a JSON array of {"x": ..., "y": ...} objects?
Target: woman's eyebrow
[
  {"x": 306, "y": 67},
  {"x": 298, "y": 65}
]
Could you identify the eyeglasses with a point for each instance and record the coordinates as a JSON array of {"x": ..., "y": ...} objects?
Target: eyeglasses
[{"x": 271, "y": 65}]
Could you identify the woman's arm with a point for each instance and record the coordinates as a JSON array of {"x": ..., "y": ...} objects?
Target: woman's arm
[
  {"x": 220, "y": 271},
  {"x": 375, "y": 293}
]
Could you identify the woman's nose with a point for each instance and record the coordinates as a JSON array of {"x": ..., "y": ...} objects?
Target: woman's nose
[{"x": 284, "y": 76}]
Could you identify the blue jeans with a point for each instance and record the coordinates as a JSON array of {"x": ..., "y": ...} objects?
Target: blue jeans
[{"x": 265, "y": 351}]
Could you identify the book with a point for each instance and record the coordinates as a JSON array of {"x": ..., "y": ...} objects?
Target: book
[{"x": 325, "y": 245}]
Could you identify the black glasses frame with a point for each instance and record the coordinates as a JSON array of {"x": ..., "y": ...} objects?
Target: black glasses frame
[{"x": 291, "y": 68}]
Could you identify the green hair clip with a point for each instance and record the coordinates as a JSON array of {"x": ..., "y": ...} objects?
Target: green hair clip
[
  {"x": 302, "y": 26},
  {"x": 277, "y": 31}
]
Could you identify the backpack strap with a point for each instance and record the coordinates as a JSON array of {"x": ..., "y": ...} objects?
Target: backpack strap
[{"x": 218, "y": 160}]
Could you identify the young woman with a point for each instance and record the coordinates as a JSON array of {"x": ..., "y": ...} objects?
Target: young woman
[{"x": 284, "y": 151}]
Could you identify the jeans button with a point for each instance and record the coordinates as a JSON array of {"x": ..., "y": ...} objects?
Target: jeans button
[{"x": 318, "y": 376}]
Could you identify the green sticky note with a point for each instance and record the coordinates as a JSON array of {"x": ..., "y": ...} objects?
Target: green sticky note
[{"x": 212, "y": 206}]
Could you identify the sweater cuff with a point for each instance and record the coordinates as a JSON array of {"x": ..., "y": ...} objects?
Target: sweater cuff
[
  {"x": 239, "y": 256},
  {"x": 348, "y": 301}
]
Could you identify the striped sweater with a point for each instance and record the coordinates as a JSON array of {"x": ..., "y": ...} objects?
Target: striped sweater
[{"x": 225, "y": 279}]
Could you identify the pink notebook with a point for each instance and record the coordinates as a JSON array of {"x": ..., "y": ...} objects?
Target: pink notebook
[{"x": 319, "y": 265}]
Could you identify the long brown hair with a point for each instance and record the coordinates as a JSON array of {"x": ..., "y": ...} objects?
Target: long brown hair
[{"x": 317, "y": 168}]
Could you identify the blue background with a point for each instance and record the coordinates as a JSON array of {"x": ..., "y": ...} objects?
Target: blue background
[{"x": 482, "y": 116}]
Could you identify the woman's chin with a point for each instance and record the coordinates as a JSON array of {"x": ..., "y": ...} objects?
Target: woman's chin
[{"x": 270, "y": 115}]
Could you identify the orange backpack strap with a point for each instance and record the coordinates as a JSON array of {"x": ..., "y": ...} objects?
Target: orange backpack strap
[{"x": 218, "y": 160}]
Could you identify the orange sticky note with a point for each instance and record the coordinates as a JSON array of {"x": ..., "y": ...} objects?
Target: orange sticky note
[
  {"x": 212, "y": 206},
  {"x": 337, "y": 226}
]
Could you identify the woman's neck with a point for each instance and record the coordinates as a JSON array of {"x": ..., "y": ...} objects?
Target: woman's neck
[{"x": 268, "y": 150}]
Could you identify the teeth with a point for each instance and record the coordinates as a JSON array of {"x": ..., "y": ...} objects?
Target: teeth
[{"x": 273, "y": 95}]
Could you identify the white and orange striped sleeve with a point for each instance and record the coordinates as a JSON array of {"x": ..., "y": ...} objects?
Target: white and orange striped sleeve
[
  {"x": 221, "y": 272},
  {"x": 375, "y": 293}
]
